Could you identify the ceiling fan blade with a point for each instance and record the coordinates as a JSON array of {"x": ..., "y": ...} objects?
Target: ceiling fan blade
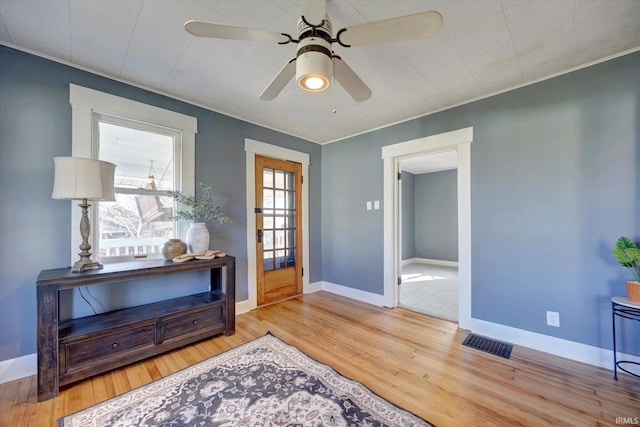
[
  {"x": 224, "y": 31},
  {"x": 410, "y": 27},
  {"x": 350, "y": 81},
  {"x": 314, "y": 11},
  {"x": 280, "y": 81}
]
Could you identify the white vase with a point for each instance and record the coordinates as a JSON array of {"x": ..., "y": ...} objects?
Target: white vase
[{"x": 198, "y": 237}]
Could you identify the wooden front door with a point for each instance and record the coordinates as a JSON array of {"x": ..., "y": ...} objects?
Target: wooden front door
[{"x": 278, "y": 229}]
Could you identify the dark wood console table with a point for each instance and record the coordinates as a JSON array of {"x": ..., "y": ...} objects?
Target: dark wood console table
[{"x": 75, "y": 349}]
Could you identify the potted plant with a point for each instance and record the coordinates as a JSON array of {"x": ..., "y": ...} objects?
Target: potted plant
[
  {"x": 628, "y": 255},
  {"x": 199, "y": 210}
]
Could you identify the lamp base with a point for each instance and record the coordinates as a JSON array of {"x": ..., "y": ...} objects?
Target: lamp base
[{"x": 85, "y": 264}]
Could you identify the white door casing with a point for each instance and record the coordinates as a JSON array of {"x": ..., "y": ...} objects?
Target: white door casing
[
  {"x": 251, "y": 148},
  {"x": 459, "y": 140}
]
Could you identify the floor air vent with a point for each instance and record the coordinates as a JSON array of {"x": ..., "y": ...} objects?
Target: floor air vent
[{"x": 490, "y": 346}]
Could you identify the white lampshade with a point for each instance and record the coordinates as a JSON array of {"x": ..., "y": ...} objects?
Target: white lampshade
[{"x": 78, "y": 178}]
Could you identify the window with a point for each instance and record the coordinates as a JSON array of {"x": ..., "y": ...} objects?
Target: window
[
  {"x": 140, "y": 221},
  {"x": 153, "y": 150}
]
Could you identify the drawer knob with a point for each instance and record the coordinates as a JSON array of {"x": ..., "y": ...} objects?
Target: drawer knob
[
  {"x": 114, "y": 345},
  {"x": 195, "y": 322}
]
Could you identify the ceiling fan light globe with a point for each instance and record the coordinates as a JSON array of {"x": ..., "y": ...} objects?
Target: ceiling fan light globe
[{"x": 313, "y": 83}]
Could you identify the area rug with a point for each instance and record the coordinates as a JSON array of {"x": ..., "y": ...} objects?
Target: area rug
[{"x": 264, "y": 382}]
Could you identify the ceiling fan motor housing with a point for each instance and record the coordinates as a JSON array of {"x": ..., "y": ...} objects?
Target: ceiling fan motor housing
[{"x": 313, "y": 60}]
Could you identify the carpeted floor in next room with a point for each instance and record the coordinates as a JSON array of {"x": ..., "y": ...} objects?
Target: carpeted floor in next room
[{"x": 430, "y": 289}]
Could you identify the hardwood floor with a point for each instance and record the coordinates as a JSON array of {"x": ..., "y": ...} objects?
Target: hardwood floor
[{"x": 417, "y": 362}]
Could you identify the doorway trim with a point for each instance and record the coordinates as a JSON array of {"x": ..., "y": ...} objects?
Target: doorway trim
[
  {"x": 459, "y": 140},
  {"x": 251, "y": 148}
]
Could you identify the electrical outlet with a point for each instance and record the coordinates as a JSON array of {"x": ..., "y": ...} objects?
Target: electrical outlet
[
  {"x": 553, "y": 318},
  {"x": 369, "y": 205}
]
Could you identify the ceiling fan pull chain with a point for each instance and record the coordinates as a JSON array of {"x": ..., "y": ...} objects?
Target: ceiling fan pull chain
[{"x": 333, "y": 83}]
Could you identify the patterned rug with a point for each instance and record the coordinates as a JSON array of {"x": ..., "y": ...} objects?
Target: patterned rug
[{"x": 264, "y": 382}]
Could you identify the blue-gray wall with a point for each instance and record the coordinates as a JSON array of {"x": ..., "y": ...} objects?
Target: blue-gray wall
[
  {"x": 35, "y": 126},
  {"x": 554, "y": 182},
  {"x": 408, "y": 216},
  {"x": 436, "y": 215}
]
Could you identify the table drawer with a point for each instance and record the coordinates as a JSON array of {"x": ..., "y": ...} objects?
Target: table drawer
[
  {"x": 179, "y": 325},
  {"x": 101, "y": 348}
]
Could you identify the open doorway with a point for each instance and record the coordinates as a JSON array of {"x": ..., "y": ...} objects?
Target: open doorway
[
  {"x": 429, "y": 235},
  {"x": 459, "y": 140}
]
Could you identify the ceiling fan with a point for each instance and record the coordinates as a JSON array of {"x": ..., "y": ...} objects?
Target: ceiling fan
[{"x": 315, "y": 62}]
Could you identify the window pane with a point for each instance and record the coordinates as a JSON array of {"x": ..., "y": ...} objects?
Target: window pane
[
  {"x": 122, "y": 232},
  {"x": 267, "y": 177},
  {"x": 267, "y": 218},
  {"x": 279, "y": 179},
  {"x": 267, "y": 198},
  {"x": 280, "y": 199},
  {"x": 280, "y": 219},
  {"x": 144, "y": 159},
  {"x": 268, "y": 260},
  {"x": 291, "y": 257},
  {"x": 291, "y": 184},
  {"x": 281, "y": 262},
  {"x": 291, "y": 197},
  {"x": 279, "y": 239},
  {"x": 291, "y": 238},
  {"x": 140, "y": 221},
  {"x": 267, "y": 239}
]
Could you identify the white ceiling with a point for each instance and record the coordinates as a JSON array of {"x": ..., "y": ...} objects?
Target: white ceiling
[
  {"x": 484, "y": 47},
  {"x": 435, "y": 162}
]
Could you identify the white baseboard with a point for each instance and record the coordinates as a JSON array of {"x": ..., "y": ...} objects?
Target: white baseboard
[
  {"x": 19, "y": 367},
  {"x": 313, "y": 287},
  {"x": 439, "y": 262},
  {"x": 356, "y": 294},
  {"x": 557, "y": 346},
  {"x": 242, "y": 307}
]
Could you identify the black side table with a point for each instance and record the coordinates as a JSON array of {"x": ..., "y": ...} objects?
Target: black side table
[{"x": 622, "y": 307}]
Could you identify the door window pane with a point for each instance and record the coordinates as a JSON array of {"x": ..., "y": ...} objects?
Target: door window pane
[
  {"x": 267, "y": 177},
  {"x": 268, "y": 260},
  {"x": 280, "y": 199},
  {"x": 267, "y": 198},
  {"x": 281, "y": 261},
  {"x": 291, "y": 238},
  {"x": 267, "y": 218},
  {"x": 280, "y": 216},
  {"x": 279, "y": 179},
  {"x": 279, "y": 239},
  {"x": 291, "y": 184},
  {"x": 291, "y": 257},
  {"x": 267, "y": 239}
]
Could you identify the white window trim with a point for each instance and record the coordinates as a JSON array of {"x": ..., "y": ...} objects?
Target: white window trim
[{"x": 84, "y": 103}]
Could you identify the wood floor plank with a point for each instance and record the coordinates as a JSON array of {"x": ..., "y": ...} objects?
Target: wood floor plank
[{"x": 415, "y": 361}]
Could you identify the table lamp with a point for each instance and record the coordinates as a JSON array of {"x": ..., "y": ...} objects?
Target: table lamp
[{"x": 83, "y": 179}]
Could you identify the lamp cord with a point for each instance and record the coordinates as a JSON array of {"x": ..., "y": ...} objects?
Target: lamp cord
[{"x": 87, "y": 301}]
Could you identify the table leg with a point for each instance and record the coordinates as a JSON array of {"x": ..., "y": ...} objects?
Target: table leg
[{"x": 47, "y": 342}]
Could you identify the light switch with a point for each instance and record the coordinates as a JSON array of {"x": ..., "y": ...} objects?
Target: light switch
[
  {"x": 369, "y": 205},
  {"x": 376, "y": 204}
]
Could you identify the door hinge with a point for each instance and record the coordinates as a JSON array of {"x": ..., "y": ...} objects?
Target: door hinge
[
  {"x": 301, "y": 179},
  {"x": 258, "y": 210},
  {"x": 399, "y": 280},
  {"x": 302, "y": 269},
  {"x": 399, "y": 176}
]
